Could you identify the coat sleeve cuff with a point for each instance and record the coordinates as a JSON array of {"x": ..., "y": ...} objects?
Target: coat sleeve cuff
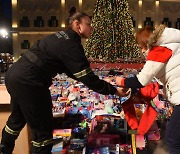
[{"x": 122, "y": 82}]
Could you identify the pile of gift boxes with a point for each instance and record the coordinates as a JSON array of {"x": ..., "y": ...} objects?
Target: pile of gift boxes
[{"x": 91, "y": 122}]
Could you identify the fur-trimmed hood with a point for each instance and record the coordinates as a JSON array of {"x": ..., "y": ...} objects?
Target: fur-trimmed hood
[{"x": 163, "y": 35}]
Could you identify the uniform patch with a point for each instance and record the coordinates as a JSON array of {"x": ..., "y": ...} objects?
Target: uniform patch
[{"x": 62, "y": 34}]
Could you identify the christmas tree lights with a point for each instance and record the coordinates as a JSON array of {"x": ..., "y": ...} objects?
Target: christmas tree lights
[{"x": 112, "y": 39}]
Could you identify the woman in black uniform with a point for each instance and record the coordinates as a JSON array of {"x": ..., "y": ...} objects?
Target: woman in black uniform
[{"x": 28, "y": 81}]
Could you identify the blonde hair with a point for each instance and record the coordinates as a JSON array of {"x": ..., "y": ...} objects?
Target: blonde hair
[
  {"x": 155, "y": 35},
  {"x": 142, "y": 36},
  {"x": 148, "y": 36}
]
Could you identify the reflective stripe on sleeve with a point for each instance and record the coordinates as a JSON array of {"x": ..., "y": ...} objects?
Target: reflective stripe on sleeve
[
  {"x": 43, "y": 143},
  {"x": 10, "y": 131},
  {"x": 83, "y": 73}
]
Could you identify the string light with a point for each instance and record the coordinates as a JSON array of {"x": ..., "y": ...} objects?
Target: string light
[{"x": 112, "y": 39}]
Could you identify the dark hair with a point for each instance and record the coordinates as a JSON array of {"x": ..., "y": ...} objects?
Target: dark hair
[
  {"x": 76, "y": 16},
  {"x": 142, "y": 36},
  {"x": 72, "y": 11}
]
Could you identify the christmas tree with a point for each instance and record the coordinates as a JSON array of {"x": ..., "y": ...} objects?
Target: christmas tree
[{"x": 112, "y": 39}]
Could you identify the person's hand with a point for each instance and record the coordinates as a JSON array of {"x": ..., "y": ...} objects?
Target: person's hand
[
  {"x": 123, "y": 92},
  {"x": 118, "y": 80}
]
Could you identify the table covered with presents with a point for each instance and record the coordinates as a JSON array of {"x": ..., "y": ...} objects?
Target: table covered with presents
[{"x": 88, "y": 122}]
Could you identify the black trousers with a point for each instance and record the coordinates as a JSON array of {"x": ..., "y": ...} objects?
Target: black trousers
[
  {"x": 173, "y": 132},
  {"x": 31, "y": 105}
]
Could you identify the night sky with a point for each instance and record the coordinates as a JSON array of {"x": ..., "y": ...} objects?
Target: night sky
[
  {"x": 5, "y": 21},
  {"x": 5, "y": 8}
]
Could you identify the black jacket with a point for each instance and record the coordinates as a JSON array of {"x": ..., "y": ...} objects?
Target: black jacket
[{"x": 62, "y": 52}]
